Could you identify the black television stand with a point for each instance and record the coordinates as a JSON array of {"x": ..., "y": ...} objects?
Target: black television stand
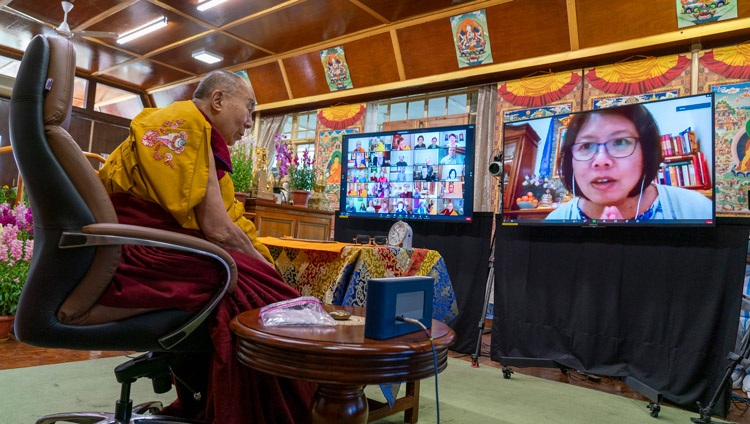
[{"x": 645, "y": 390}]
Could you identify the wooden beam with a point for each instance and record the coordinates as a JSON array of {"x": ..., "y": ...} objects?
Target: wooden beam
[
  {"x": 397, "y": 53},
  {"x": 572, "y": 24},
  {"x": 684, "y": 35}
]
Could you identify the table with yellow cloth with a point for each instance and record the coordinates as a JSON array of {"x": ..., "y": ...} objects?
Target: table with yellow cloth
[{"x": 337, "y": 273}]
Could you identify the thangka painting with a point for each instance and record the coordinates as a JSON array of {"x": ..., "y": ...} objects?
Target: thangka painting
[
  {"x": 336, "y": 68},
  {"x": 725, "y": 71},
  {"x": 471, "y": 39},
  {"x": 732, "y": 144},
  {"x": 697, "y": 12},
  {"x": 329, "y": 146}
]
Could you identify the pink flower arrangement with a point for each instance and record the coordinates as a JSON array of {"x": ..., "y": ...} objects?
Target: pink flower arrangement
[
  {"x": 16, "y": 250},
  {"x": 284, "y": 157}
]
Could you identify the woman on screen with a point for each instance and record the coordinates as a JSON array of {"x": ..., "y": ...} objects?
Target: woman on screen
[{"x": 609, "y": 160}]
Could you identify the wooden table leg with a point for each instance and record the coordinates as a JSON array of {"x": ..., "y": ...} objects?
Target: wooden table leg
[
  {"x": 411, "y": 415},
  {"x": 339, "y": 404}
]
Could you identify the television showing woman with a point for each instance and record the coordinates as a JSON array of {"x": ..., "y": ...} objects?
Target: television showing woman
[{"x": 609, "y": 160}]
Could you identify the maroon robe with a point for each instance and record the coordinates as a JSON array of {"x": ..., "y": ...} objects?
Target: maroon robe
[{"x": 149, "y": 277}]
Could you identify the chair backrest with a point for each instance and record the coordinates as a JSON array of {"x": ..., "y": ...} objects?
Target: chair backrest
[{"x": 64, "y": 193}]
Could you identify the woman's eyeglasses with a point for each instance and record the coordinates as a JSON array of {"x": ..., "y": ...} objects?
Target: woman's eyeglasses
[{"x": 617, "y": 148}]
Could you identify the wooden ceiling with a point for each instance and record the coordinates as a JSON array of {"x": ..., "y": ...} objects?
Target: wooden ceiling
[{"x": 390, "y": 45}]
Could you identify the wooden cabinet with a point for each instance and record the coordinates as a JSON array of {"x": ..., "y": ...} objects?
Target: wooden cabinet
[
  {"x": 519, "y": 155},
  {"x": 275, "y": 220}
]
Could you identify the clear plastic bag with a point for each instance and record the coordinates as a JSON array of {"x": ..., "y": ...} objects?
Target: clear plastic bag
[{"x": 305, "y": 310}]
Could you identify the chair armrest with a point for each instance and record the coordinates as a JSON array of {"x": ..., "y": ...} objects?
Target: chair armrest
[{"x": 122, "y": 234}]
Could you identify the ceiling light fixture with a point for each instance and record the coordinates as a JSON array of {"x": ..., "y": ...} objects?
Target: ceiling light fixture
[
  {"x": 142, "y": 30},
  {"x": 206, "y": 56},
  {"x": 209, "y": 4}
]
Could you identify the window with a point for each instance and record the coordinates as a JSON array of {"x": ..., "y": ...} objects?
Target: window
[
  {"x": 80, "y": 90},
  {"x": 115, "y": 101},
  {"x": 431, "y": 105},
  {"x": 299, "y": 129}
]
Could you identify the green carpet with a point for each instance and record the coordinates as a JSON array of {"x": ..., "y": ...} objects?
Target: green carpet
[{"x": 467, "y": 396}]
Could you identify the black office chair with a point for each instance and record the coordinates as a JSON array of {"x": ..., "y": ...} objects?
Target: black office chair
[{"x": 77, "y": 246}]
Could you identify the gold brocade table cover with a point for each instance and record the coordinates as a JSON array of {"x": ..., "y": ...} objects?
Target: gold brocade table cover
[{"x": 337, "y": 273}]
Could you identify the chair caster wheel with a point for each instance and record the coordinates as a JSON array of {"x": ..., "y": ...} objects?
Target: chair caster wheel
[
  {"x": 655, "y": 408},
  {"x": 507, "y": 372}
]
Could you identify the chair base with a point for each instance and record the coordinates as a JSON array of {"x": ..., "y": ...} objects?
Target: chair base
[{"x": 143, "y": 413}]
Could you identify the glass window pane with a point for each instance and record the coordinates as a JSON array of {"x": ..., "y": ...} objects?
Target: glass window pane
[
  {"x": 436, "y": 107},
  {"x": 398, "y": 112},
  {"x": 287, "y": 129},
  {"x": 9, "y": 67},
  {"x": 80, "y": 88},
  {"x": 382, "y": 115},
  {"x": 416, "y": 109},
  {"x": 306, "y": 127},
  {"x": 115, "y": 101},
  {"x": 457, "y": 104}
]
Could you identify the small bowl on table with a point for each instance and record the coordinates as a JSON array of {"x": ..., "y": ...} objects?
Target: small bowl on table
[{"x": 527, "y": 205}]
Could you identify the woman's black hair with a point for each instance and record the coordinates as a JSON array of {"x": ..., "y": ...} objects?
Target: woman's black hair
[
  {"x": 453, "y": 170},
  {"x": 648, "y": 135}
]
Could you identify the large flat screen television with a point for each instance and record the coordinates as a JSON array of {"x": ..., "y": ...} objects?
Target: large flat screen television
[
  {"x": 422, "y": 174},
  {"x": 638, "y": 164}
]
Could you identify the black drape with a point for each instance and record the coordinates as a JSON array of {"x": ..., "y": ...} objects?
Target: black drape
[
  {"x": 465, "y": 247},
  {"x": 657, "y": 304}
]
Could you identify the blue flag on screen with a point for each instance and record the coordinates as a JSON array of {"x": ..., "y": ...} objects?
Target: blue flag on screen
[{"x": 544, "y": 167}]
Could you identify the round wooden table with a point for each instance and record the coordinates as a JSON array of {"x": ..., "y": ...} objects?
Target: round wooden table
[{"x": 340, "y": 359}]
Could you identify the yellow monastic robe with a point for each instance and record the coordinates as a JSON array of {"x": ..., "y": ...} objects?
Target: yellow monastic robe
[{"x": 165, "y": 161}]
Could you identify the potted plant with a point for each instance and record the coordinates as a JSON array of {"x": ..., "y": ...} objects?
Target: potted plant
[
  {"x": 242, "y": 168},
  {"x": 16, "y": 249},
  {"x": 302, "y": 178}
]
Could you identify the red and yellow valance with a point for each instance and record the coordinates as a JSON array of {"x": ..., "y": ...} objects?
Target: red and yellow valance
[
  {"x": 539, "y": 90},
  {"x": 639, "y": 76},
  {"x": 729, "y": 62},
  {"x": 342, "y": 116}
]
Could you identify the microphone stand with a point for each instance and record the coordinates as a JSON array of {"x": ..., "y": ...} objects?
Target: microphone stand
[
  {"x": 490, "y": 278},
  {"x": 735, "y": 359}
]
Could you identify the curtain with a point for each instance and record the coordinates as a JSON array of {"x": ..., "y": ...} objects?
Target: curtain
[
  {"x": 484, "y": 150},
  {"x": 371, "y": 117},
  {"x": 271, "y": 125}
]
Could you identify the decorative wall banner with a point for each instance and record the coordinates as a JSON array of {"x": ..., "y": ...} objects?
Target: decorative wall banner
[
  {"x": 328, "y": 154},
  {"x": 608, "y": 101},
  {"x": 729, "y": 62},
  {"x": 638, "y": 76},
  {"x": 697, "y": 12},
  {"x": 471, "y": 39},
  {"x": 732, "y": 144},
  {"x": 537, "y": 91},
  {"x": 539, "y": 112},
  {"x": 336, "y": 68},
  {"x": 341, "y": 116},
  {"x": 244, "y": 75}
]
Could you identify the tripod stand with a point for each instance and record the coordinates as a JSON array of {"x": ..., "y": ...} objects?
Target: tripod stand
[
  {"x": 487, "y": 292},
  {"x": 495, "y": 169},
  {"x": 735, "y": 358}
]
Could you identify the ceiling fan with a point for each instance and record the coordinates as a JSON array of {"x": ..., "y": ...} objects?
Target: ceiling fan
[{"x": 63, "y": 29}]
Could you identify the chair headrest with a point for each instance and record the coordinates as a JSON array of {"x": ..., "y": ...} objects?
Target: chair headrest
[{"x": 60, "y": 79}]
